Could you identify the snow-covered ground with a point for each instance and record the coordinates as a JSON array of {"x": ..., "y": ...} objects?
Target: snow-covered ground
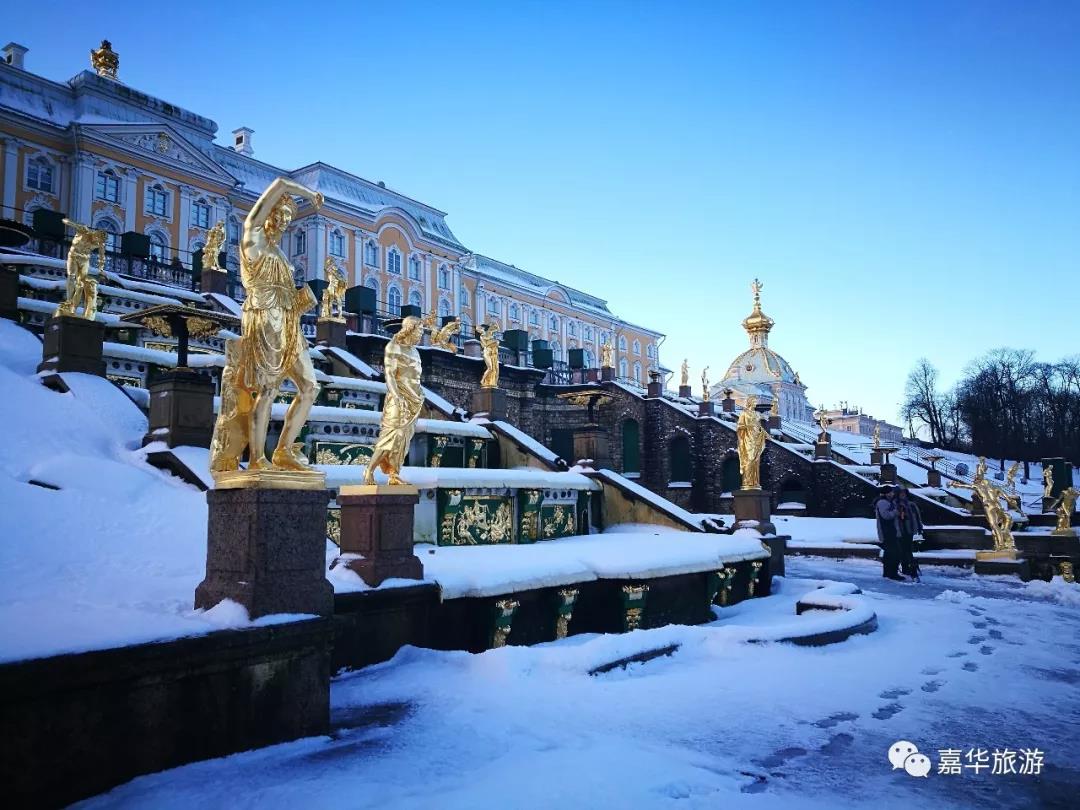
[{"x": 958, "y": 662}]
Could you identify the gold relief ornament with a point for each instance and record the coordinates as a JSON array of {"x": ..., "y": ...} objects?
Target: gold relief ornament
[
  {"x": 1066, "y": 505},
  {"x": 755, "y": 567},
  {"x": 751, "y": 438},
  {"x": 727, "y": 580},
  {"x": 105, "y": 61},
  {"x": 333, "y": 296},
  {"x": 202, "y": 328},
  {"x": 567, "y": 599},
  {"x": 403, "y": 403},
  {"x": 1048, "y": 475},
  {"x": 705, "y": 384},
  {"x": 489, "y": 341},
  {"x": 272, "y": 348},
  {"x": 505, "y": 609},
  {"x": 158, "y": 325},
  {"x": 211, "y": 251},
  {"x": 634, "y": 601},
  {"x": 1067, "y": 573},
  {"x": 82, "y": 287}
]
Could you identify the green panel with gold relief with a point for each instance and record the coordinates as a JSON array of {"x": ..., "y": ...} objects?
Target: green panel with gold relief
[
  {"x": 449, "y": 504},
  {"x": 558, "y": 521},
  {"x": 474, "y": 452},
  {"x": 285, "y": 397},
  {"x": 333, "y": 525},
  {"x": 529, "y": 503},
  {"x": 477, "y": 520},
  {"x": 437, "y": 446},
  {"x": 340, "y": 453}
]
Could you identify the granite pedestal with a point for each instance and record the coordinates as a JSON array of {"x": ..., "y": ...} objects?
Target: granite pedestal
[
  {"x": 592, "y": 442},
  {"x": 685, "y": 392},
  {"x": 607, "y": 374},
  {"x": 214, "y": 281},
  {"x": 655, "y": 389},
  {"x": 332, "y": 333},
  {"x": 876, "y": 457},
  {"x": 773, "y": 422},
  {"x": 473, "y": 348},
  {"x": 823, "y": 450},
  {"x": 73, "y": 344},
  {"x": 727, "y": 405},
  {"x": 491, "y": 401},
  {"x": 933, "y": 478},
  {"x": 377, "y": 532},
  {"x": 706, "y": 409},
  {"x": 9, "y": 293},
  {"x": 181, "y": 409},
  {"x": 754, "y": 505},
  {"x": 888, "y": 474},
  {"x": 266, "y": 549}
]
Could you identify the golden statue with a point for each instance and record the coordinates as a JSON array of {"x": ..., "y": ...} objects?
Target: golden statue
[
  {"x": 999, "y": 519},
  {"x": 211, "y": 252},
  {"x": 684, "y": 379},
  {"x": 751, "y": 436},
  {"x": 705, "y": 384},
  {"x": 273, "y": 348},
  {"x": 404, "y": 399},
  {"x": 233, "y": 425},
  {"x": 980, "y": 467},
  {"x": 105, "y": 61},
  {"x": 334, "y": 293},
  {"x": 823, "y": 423},
  {"x": 440, "y": 335},
  {"x": 877, "y": 437},
  {"x": 1066, "y": 505},
  {"x": 607, "y": 355},
  {"x": 489, "y": 340},
  {"x": 1048, "y": 472},
  {"x": 774, "y": 408},
  {"x": 81, "y": 286},
  {"x": 1010, "y": 476}
]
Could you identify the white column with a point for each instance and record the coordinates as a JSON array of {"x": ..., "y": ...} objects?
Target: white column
[
  {"x": 129, "y": 198},
  {"x": 358, "y": 255},
  {"x": 318, "y": 255},
  {"x": 82, "y": 188},
  {"x": 186, "y": 193},
  {"x": 11, "y": 176}
]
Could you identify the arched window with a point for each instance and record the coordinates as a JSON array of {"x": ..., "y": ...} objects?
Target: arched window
[
  {"x": 571, "y": 328},
  {"x": 444, "y": 277},
  {"x": 39, "y": 174},
  {"x": 637, "y": 372},
  {"x": 112, "y": 240},
  {"x": 107, "y": 186},
  {"x": 157, "y": 200},
  {"x": 534, "y": 318},
  {"x": 393, "y": 261},
  {"x": 371, "y": 253},
  {"x": 556, "y": 350},
  {"x": 234, "y": 231},
  {"x": 631, "y": 446},
  {"x": 622, "y": 343},
  {"x": 586, "y": 333},
  {"x": 463, "y": 293},
  {"x": 337, "y": 243},
  {"x": 679, "y": 451},
  {"x": 494, "y": 305},
  {"x": 393, "y": 300},
  {"x": 650, "y": 350},
  {"x": 299, "y": 243},
  {"x": 513, "y": 312},
  {"x": 553, "y": 324},
  {"x": 159, "y": 248},
  {"x": 466, "y": 326},
  {"x": 444, "y": 308},
  {"x": 200, "y": 214},
  {"x": 637, "y": 347},
  {"x": 414, "y": 268},
  {"x": 414, "y": 298},
  {"x": 622, "y": 367}
]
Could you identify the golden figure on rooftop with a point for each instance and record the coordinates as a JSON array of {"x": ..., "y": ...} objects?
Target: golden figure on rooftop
[
  {"x": 751, "y": 438},
  {"x": 334, "y": 294},
  {"x": 1066, "y": 505},
  {"x": 105, "y": 60},
  {"x": 81, "y": 285},
  {"x": 1010, "y": 476},
  {"x": 1048, "y": 480},
  {"x": 684, "y": 377},
  {"x": 705, "y": 384},
  {"x": 489, "y": 340},
  {"x": 404, "y": 401},
  {"x": 211, "y": 252},
  {"x": 877, "y": 437},
  {"x": 607, "y": 355},
  {"x": 823, "y": 423},
  {"x": 441, "y": 335},
  {"x": 980, "y": 468},
  {"x": 774, "y": 408}
]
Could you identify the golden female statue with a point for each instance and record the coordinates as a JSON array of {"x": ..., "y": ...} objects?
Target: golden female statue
[
  {"x": 404, "y": 399},
  {"x": 1066, "y": 505},
  {"x": 751, "y": 436},
  {"x": 274, "y": 348},
  {"x": 334, "y": 294},
  {"x": 1010, "y": 476},
  {"x": 823, "y": 423},
  {"x": 684, "y": 379},
  {"x": 489, "y": 340},
  {"x": 774, "y": 408},
  {"x": 1048, "y": 472},
  {"x": 705, "y": 384},
  {"x": 877, "y": 437},
  {"x": 81, "y": 286},
  {"x": 215, "y": 238},
  {"x": 607, "y": 355},
  {"x": 233, "y": 424}
]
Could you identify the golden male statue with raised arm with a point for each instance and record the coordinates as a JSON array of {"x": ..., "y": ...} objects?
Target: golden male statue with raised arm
[
  {"x": 751, "y": 437},
  {"x": 274, "y": 349},
  {"x": 489, "y": 341},
  {"x": 404, "y": 400},
  {"x": 334, "y": 294},
  {"x": 81, "y": 286}
]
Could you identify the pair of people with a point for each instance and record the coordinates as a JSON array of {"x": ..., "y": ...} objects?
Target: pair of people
[{"x": 898, "y": 521}]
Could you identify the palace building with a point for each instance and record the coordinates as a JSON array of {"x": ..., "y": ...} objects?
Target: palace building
[{"x": 120, "y": 160}]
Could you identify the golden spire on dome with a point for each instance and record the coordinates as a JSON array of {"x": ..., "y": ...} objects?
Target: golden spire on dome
[{"x": 757, "y": 324}]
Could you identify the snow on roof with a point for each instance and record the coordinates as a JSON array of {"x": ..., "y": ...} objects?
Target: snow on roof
[
  {"x": 657, "y": 501},
  {"x": 357, "y": 365},
  {"x": 463, "y": 477},
  {"x": 358, "y": 416},
  {"x": 226, "y": 303},
  {"x": 352, "y": 383},
  {"x": 525, "y": 440}
]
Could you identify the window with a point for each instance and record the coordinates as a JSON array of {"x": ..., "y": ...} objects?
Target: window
[
  {"x": 234, "y": 231},
  {"x": 444, "y": 277},
  {"x": 393, "y": 261},
  {"x": 112, "y": 241},
  {"x": 494, "y": 306},
  {"x": 157, "y": 200},
  {"x": 414, "y": 298},
  {"x": 299, "y": 243},
  {"x": 534, "y": 318},
  {"x": 513, "y": 312},
  {"x": 414, "y": 268},
  {"x": 637, "y": 372},
  {"x": 622, "y": 368},
  {"x": 371, "y": 253},
  {"x": 158, "y": 248},
  {"x": 571, "y": 328},
  {"x": 553, "y": 324},
  {"x": 622, "y": 343},
  {"x": 679, "y": 452},
  {"x": 373, "y": 283},
  {"x": 444, "y": 308},
  {"x": 650, "y": 350},
  {"x": 107, "y": 186},
  {"x": 39, "y": 175},
  {"x": 465, "y": 297},
  {"x": 393, "y": 300},
  {"x": 337, "y": 243},
  {"x": 466, "y": 326},
  {"x": 556, "y": 350},
  {"x": 200, "y": 215},
  {"x": 586, "y": 333},
  {"x": 631, "y": 446},
  {"x": 637, "y": 347},
  {"x": 590, "y": 359}
]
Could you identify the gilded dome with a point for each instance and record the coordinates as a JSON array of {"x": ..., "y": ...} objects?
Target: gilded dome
[{"x": 760, "y": 364}]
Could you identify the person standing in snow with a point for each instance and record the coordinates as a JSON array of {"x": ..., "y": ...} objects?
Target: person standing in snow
[
  {"x": 888, "y": 528},
  {"x": 909, "y": 520}
]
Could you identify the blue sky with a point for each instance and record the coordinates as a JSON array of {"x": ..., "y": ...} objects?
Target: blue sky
[{"x": 904, "y": 177}]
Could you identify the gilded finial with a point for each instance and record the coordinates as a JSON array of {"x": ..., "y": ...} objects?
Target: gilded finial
[
  {"x": 105, "y": 60},
  {"x": 757, "y": 324}
]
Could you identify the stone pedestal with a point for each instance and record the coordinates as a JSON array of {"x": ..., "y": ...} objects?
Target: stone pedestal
[
  {"x": 9, "y": 293},
  {"x": 773, "y": 422},
  {"x": 976, "y": 504},
  {"x": 933, "y": 478},
  {"x": 377, "y": 532},
  {"x": 266, "y": 549},
  {"x": 823, "y": 450},
  {"x": 491, "y": 401},
  {"x": 888, "y": 474},
  {"x": 591, "y": 441},
  {"x": 332, "y": 333},
  {"x": 706, "y": 409},
  {"x": 181, "y": 409},
  {"x": 1048, "y": 504},
  {"x": 684, "y": 391},
  {"x": 473, "y": 348},
  {"x": 73, "y": 344},
  {"x": 214, "y": 281},
  {"x": 754, "y": 505},
  {"x": 876, "y": 457},
  {"x": 728, "y": 405},
  {"x": 655, "y": 389},
  {"x": 607, "y": 374}
]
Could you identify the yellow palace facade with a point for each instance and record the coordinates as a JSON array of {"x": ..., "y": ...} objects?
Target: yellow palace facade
[{"x": 121, "y": 160}]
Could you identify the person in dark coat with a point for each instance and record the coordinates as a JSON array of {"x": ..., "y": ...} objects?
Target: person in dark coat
[
  {"x": 909, "y": 521},
  {"x": 888, "y": 528}
]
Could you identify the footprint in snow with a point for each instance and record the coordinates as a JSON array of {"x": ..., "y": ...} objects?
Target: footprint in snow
[
  {"x": 992, "y": 620},
  {"x": 837, "y": 745},
  {"x": 970, "y": 666},
  {"x": 834, "y": 719},
  {"x": 932, "y": 686},
  {"x": 893, "y": 694},
  {"x": 957, "y": 654},
  {"x": 976, "y": 639},
  {"x": 995, "y": 634},
  {"x": 931, "y": 671},
  {"x": 975, "y": 611},
  {"x": 979, "y": 625},
  {"x": 888, "y": 710},
  {"x": 783, "y": 755},
  {"x": 986, "y": 649}
]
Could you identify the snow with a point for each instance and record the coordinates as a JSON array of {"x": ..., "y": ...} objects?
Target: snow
[
  {"x": 357, "y": 365},
  {"x": 463, "y": 477},
  {"x": 805, "y": 531},
  {"x": 227, "y": 304},
  {"x": 524, "y": 439},
  {"x": 639, "y": 492},
  {"x": 139, "y": 354},
  {"x": 359, "y": 416}
]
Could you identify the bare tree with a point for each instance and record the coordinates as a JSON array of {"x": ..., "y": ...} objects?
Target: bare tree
[{"x": 923, "y": 402}]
